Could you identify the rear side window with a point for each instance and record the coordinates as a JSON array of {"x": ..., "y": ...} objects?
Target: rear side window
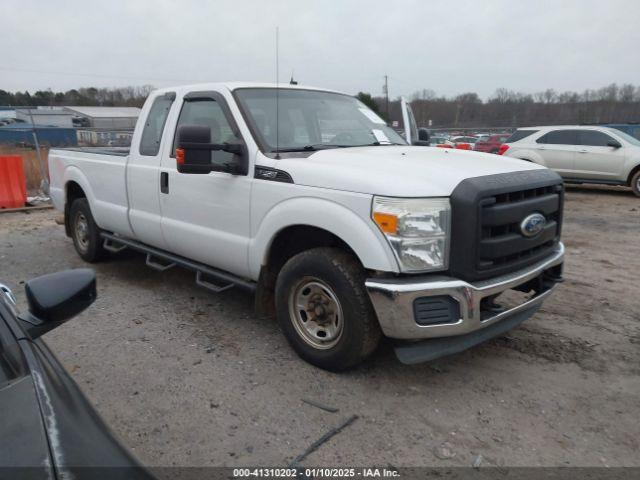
[
  {"x": 560, "y": 137},
  {"x": 593, "y": 138},
  {"x": 519, "y": 135},
  {"x": 153, "y": 127}
]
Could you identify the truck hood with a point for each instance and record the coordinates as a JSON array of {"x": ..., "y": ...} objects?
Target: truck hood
[{"x": 396, "y": 171}]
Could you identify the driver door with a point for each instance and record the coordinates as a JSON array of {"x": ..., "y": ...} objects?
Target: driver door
[{"x": 206, "y": 217}]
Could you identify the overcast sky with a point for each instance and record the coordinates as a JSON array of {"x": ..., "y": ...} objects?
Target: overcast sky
[{"x": 450, "y": 46}]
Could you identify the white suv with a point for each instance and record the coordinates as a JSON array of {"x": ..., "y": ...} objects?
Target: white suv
[{"x": 580, "y": 154}]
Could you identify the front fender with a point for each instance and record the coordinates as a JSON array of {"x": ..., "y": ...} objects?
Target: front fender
[{"x": 362, "y": 235}]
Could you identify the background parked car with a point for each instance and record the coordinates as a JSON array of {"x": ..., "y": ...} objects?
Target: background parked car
[
  {"x": 464, "y": 142},
  {"x": 632, "y": 129},
  {"x": 492, "y": 143},
  {"x": 49, "y": 429},
  {"x": 440, "y": 141},
  {"x": 580, "y": 154}
]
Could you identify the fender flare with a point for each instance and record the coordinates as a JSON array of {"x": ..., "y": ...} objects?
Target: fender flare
[
  {"x": 361, "y": 236},
  {"x": 74, "y": 174}
]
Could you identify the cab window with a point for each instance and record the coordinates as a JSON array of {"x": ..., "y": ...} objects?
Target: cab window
[
  {"x": 154, "y": 125},
  {"x": 208, "y": 113}
]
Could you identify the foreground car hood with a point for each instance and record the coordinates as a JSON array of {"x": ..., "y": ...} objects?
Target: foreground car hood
[{"x": 396, "y": 171}]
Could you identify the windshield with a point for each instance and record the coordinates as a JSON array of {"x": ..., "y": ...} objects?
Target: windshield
[{"x": 311, "y": 120}]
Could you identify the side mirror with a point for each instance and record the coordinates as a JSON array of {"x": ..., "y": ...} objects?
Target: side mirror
[
  {"x": 55, "y": 298},
  {"x": 614, "y": 144},
  {"x": 193, "y": 154},
  {"x": 421, "y": 143},
  {"x": 423, "y": 135}
]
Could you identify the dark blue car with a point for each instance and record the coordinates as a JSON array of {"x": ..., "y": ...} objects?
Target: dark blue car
[
  {"x": 632, "y": 129},
  {"x": 48, "y": 429}
]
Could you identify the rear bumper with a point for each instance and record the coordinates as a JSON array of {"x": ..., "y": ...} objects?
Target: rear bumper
[{"x": 393, "y": 300}]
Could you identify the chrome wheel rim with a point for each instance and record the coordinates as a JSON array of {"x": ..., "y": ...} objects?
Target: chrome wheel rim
[
  {"x": 316, "y": 314},
  {"x": 82, "y": 232}
]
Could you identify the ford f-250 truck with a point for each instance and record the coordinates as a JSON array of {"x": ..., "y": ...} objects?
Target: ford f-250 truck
[{"x": 344, "y": 230}]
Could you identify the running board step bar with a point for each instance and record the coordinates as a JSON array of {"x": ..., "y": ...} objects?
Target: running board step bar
[
  {"x": 161, "y": 267},
  {"x": 162, "y": 260},
  {"x": 109, "y": 246}
]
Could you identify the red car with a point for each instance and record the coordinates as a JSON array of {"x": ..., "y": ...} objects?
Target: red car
[{"x": 491, "y": 144}]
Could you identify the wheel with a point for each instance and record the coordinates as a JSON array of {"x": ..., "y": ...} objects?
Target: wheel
[
  {"x": 324, "y": 311},
  {"x": 635, "y": 183},
  {"x": 85, "y": 232}
]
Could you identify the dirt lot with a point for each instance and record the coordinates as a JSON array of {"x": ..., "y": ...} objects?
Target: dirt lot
[{"x": 189, "y": 378}]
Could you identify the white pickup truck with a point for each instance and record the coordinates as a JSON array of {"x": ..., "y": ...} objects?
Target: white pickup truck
[{"x": 344, "y": 230}]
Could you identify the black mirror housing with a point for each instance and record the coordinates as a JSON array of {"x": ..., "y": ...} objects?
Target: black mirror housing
[
  {"x": 423, "y": 135},
  {"x": 55, "y": 298},
  {"x": 614, "y": 144},
  {"x": 193, "y": 154}
]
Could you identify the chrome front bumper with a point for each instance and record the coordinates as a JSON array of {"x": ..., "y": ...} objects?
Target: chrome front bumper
[{"x": 393, "y": 300}]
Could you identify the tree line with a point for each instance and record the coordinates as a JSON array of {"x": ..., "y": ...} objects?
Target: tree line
[
  {"x": 87, "y": 97},
  {"x": 505, "y": 108},
  {"x": 508, "y": 108}
]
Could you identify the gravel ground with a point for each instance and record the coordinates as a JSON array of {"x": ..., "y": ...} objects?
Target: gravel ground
[{"x": 185, "y": 377}]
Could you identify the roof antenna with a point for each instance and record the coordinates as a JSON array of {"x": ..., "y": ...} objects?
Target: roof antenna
[
  {"x": 292, "y": 81},
  {"x": 277, "y": 95}
]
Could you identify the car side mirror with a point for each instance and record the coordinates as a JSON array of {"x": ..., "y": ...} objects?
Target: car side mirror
[
  {"x": 423, "y": 135},
  {"x": 193, "y": 154},
  {"x": 614, "y": 144},
  {"x": 55, "y": 298},
  {"x": 421, "y": 143}
]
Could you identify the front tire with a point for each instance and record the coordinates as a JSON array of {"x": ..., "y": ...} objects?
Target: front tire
[
  {"x": 324, "y": 310},
  {"x": 635, "y": 184},
  {"x": 84, "y": 232}
]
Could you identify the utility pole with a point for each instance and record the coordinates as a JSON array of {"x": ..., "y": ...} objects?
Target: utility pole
[{"x": 386, "y": 92}]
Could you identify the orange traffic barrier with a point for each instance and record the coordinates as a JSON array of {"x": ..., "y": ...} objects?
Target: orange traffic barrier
[{"x": 13, "y": 186}]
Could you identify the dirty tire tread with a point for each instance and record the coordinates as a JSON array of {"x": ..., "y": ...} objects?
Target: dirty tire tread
[
  {"x": 634, "y": 183},
  {"x": 354, "y": 299},
  {"x": 95, "y": 251}
]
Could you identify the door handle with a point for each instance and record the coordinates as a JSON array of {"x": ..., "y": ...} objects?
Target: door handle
[
  {"x": 164, "y": 182},
  {"x": 583, "y": 151}
]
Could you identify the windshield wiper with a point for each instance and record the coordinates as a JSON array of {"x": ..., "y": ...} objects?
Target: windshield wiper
[
  {"x": 324, "y": 146},
  {"x": 310, "y": 148}
]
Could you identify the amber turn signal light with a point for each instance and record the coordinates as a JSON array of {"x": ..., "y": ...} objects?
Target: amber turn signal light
[
  {"x": 180, "y": 156},
  {"x": 388, "y": 223}
]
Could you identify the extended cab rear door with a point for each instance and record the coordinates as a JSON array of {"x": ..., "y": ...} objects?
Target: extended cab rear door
[
  {"x": 205, "y": 217},
  {"x": 143, "y": 171}
]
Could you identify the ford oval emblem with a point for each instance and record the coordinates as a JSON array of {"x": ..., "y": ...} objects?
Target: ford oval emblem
[{"x": 532, "y": 224}]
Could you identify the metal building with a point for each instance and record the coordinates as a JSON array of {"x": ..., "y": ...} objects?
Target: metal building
[
  {"x": 45, "y": 117},
  {"x": 21, "y": 134},
  {"x": 123, "y": 118}
]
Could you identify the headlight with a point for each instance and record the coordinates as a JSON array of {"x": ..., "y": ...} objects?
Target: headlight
[{"x": 418, "y": 230}]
